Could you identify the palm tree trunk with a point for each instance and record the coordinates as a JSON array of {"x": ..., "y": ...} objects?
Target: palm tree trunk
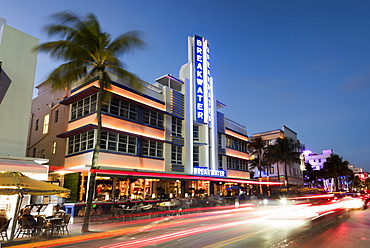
[
  {"x": 259, "y": 167},
  {"x": 94, "y": 162},
  {"x": 268, "y": 179},
  {"x": 286, "y": 177}
]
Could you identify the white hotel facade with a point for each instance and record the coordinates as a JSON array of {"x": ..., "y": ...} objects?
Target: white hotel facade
[{"x": 167, "y": 138}]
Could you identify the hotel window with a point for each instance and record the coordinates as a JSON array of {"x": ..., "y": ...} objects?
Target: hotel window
[
  {"x": 196, "y": 132},
  {"x": 230, "y": 142},
  {"x": 231, "y": 163},
  {"x": 118, "y": 142},
  {"x": 220, "y": 165},
  {"x": 219, "y": 140},
  {"x": 46, "y": 124},
  {"x": 34, "y": 152},
  {"x": 37, "y": 124},
  {"x": 272, "y": 170},
  {"x": 56, "y": 116},
  {"x": 196, "y": 155},
  {"x": 81, "y": 142},
  {"x": 241, "y": 145},
  {"x": 176, "y": 154},
  {"x": 121, "y": 108},
  {"x": 243, "y": 165},
  {"x": 83, "y": 107},
  {"x": 176, "y": 127},
  {"x": 153, "y": 118},
  {"x": 152, "y": 148},
  {"x": 54, "y": 148}
]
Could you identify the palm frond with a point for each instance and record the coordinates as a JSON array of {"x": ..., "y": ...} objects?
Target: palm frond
[{"x": 126, "y": 42}]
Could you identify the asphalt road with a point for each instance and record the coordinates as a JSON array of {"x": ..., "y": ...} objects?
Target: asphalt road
[{"x": 352, "y": 231}]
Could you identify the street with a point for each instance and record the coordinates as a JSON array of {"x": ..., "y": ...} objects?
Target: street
[{"x": 301, "y": 225}]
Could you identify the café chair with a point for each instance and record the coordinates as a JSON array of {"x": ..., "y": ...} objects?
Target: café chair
[
  {"x": 42, "y": 225},
  {"x": 25, "y": 228},
  {"x": 4, "y": 230},
  {"x": 62, "y": 227}
]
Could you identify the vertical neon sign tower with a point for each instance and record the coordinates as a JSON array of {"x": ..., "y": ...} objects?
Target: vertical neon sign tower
[
  {"x": 200, "y": 104},
  {"x": 203, "y": 81}
]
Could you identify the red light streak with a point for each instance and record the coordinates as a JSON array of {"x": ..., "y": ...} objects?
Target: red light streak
[
  {"x": 179, "y": 176},
  {"x": 298, "y": 212},
  {"x": 311, "y": 197}
]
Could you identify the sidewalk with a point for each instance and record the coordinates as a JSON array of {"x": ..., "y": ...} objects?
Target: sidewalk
[{"x": 104, "y": 226}]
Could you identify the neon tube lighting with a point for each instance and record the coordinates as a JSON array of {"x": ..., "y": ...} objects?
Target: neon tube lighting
[{"x": 178, "y": 176}]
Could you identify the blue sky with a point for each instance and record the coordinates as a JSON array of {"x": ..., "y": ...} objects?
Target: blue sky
[{"x": 303, "y": 64}]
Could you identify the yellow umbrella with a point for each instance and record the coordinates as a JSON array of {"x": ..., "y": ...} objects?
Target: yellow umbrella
[{"x": 12, "y": 183}]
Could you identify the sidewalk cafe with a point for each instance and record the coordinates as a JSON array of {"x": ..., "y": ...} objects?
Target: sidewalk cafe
[
  {"x": 15, "y": 183},
  {"x": 116, "y": 187}
]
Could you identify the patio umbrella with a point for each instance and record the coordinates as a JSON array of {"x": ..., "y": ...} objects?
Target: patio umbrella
[{"x": 12, "y": 183}]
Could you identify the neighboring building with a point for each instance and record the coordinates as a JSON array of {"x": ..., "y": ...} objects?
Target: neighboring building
[
  {"x": 276, "y": 171},
  {"x": 17, "y": 74},
  {"x": 317, "y": 160},
  {"x": 356, "y": 170},
  {"x": 167, "y": 138},
  {"x": 48, "y": 119}
]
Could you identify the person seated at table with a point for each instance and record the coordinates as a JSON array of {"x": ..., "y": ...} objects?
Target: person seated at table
[
  {"x": 58, "y": 212},
  {"x": 3, "y": 218},
  {"x": 27, "y": 219}
]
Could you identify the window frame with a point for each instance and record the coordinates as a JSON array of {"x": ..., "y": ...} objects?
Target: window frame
[
  {"x": 84, "y": 106},
  {"x": 81, "y": 142},
  {"x": 122, "y": 143},
  {"x": 176, "y": 154},
  {"x": 45, "y": 128},
  {"x": 153, "y": 118},
  {"x": 152, "y": 148}
]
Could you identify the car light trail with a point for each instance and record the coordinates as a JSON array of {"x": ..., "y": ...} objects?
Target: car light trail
[
  {"x": 282, "y": 212},
  {"x": 180, "y": 234}
]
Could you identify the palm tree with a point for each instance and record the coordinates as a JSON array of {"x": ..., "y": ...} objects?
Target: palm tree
[
  {"x": 257, "y": 146},
  {"x": 334, "y": 167},
  {"x": 88, "y": 52},
  {"x": 285, "y": 151}
]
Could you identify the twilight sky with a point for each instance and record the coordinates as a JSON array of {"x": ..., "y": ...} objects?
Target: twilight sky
[{"x": 303, "y": 64}]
